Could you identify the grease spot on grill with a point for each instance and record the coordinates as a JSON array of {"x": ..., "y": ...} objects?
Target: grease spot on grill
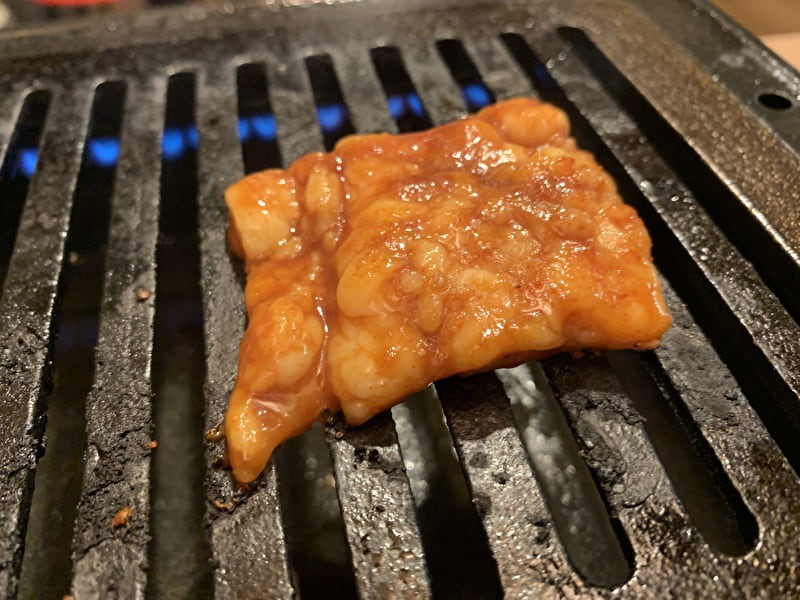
[
  {"x": 360, "y": 454},
  {"x": 371, "y": 456},
  {"x": 542, "y": 531},
  {"x": 483, "y": 504},
  {"x": 479, "y": 461},
  {"x": 501, "y": 478}
]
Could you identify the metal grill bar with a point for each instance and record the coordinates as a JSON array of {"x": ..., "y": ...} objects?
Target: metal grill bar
[
  {"x": 767, "y": 483},
  {"x": 432, "y": 81},
  {"x": 379, "y": 512},
  {"x": 596, "y": 548},
  {"x": 10, "y": 107},
  {"x": 298, "y": 132},
  {"x": 118, "y": 413},
  {"x": 741, "y": 226},
  {"x": 583, "y": 90},
  {"x": 713, "y": 504},
  {"x": 499, "y": 525},
  {"x": 248, "y": 545},
  {"x": 640, "y": 494},
  {"x": 26, "y": 310},
  {"x": 518, "y": 525},
  {"x": 498, "y": 70},
  {"x": 459, "y": 557},
  {"x": 636, "y": 485},
  {"x": 392, "y": 71},
  {"x": 727, "y": 420},
  {"x": 586, "y": 376},
  {"x": 361, "y": 89}
]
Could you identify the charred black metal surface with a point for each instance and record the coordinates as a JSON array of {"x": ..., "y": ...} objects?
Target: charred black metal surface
[
  {"x": 731, "y": 357},
  {"x": 118, "y": 410},
  {"x": 26, "y": 309}
]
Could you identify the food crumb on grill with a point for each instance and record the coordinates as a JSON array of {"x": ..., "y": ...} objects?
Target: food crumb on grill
[
  {"x": 215, "y": 434},
  {"x": 68, "y": 597},
  {"x": 220, "y": 461},
  {"x": 327, "y": 416},
  {"x": 123, "y": 517},
  {"x": 648, "y": 345},
  {"x": 153, "y": 444},
  {"x": 142, "y": 294},
  {"x": 222, "y": 505}
]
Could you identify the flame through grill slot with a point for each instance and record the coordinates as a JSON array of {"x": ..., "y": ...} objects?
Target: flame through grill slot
[{"x": 121, "y": 314}]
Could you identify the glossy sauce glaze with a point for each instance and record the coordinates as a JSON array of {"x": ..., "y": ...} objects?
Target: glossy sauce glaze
[{"x": 394, "y": 261}]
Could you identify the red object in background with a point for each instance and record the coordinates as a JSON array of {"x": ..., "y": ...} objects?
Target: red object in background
[{"x": 72, "y": 3}]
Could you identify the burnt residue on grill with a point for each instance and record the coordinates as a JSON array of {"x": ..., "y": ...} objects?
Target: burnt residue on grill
[
  {"x": 581, "y": 516},
  {"x": 607, "y": 475}
]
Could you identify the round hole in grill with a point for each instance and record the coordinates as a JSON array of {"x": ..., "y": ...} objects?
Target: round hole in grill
[{"x": 775, "y": 101}]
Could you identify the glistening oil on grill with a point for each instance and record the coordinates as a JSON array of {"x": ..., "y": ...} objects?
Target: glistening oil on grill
[{"x": 590, "y": 477}]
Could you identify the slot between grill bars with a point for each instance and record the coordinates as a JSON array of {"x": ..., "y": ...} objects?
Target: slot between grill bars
[{"x": 381, "y": 489}]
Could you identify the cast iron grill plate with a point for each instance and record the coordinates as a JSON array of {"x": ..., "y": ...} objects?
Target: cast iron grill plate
[{"x": 713, "y": 172}]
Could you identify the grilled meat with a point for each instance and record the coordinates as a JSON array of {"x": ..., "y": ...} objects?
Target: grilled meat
[{"x": 394, "y": 261}]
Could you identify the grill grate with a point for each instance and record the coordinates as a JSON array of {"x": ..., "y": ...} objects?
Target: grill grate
[{"x": 672, "y": 472}]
